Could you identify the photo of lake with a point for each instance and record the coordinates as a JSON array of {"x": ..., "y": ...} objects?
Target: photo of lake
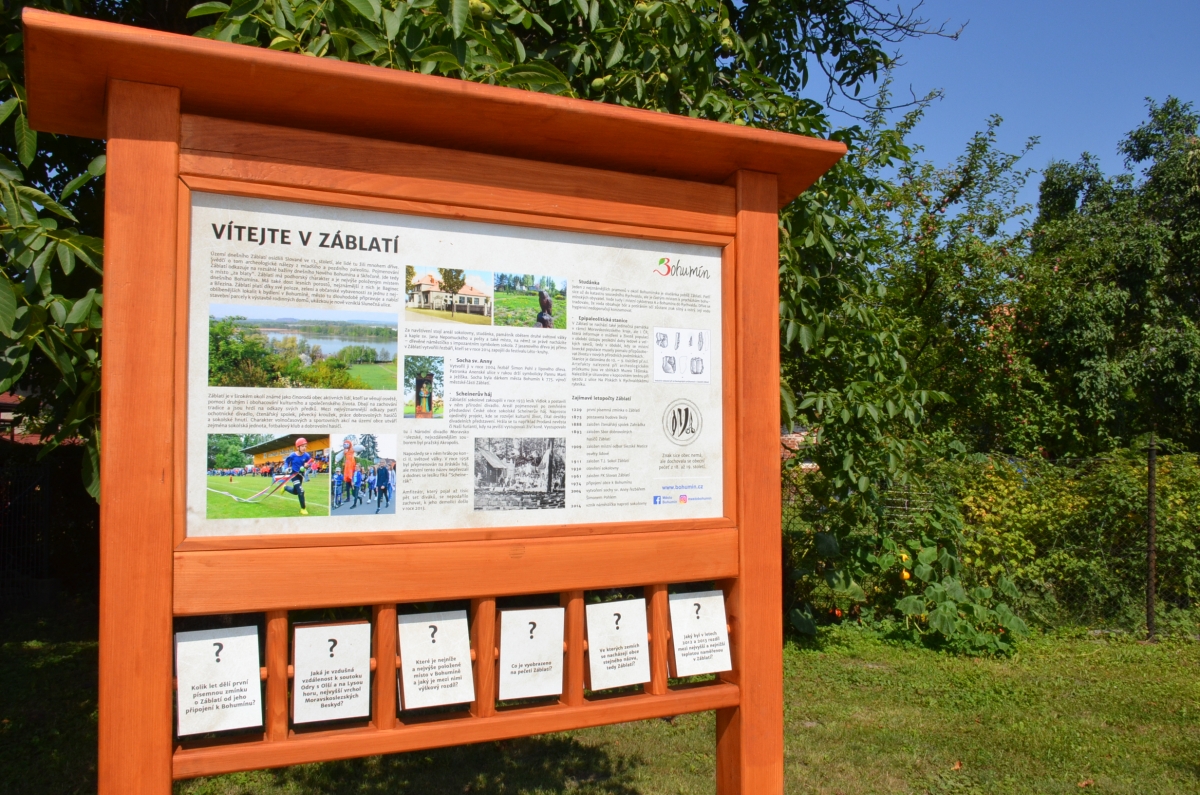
[
  {"x": 330, "y": 346},
  {"x": 286, "y": 347}
]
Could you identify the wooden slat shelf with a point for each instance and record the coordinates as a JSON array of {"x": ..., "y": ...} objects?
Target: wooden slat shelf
[
  {"x": 458, "y": 729},
  {"x": 181, "y": 115},
  {"x": 318, "y": 577}
]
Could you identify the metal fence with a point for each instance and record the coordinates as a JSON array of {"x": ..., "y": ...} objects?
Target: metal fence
[{"x": 1079, "y": 556}]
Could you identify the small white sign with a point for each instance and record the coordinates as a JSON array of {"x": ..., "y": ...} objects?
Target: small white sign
[
  {"x": 531, "y": 652},
  {"x": 682, "y": 355},
  {"x": 699, "y": 634},
  {"x": 435, "y": 659},
  {"x": 332, "y": 664},
  {"x": 219, "y": 685},
  {"x": 618, "y": 651}
]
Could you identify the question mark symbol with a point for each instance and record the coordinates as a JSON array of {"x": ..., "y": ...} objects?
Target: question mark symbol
[
  {"x": 532, "y": 627},
  {"x": 220, "y": 648},
  {"x": 697, "y": 604},
  {"x": 432, "y": 639},
  {"x": 618, "y": 615},
  {"x": 332, "y": 643}
]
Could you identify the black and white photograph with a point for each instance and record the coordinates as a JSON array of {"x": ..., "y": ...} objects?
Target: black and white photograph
[
  {"x": 517, "y": 474},
  {"x": 682, "y": 355}
]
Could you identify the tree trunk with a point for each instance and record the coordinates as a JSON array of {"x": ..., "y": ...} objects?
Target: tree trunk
[{"x": 1151, "y": 535}]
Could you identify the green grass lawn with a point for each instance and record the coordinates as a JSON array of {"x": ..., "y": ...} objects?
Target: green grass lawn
[
  {"x": 375, "y": 376},
  {"x": 521, "y": 309},
  {"x": 420, "y": 315},
  {"x": 222, "y": 506},
  {"x": 861, "y": 717}
]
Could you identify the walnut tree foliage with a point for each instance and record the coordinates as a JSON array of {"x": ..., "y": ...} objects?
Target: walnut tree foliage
[
  {"x": 744, "y": 63},
  {"x": 774, "y": 65}
]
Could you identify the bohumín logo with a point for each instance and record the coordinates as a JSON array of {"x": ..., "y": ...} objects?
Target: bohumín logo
[
  {"x": 682, "y": 422},
  {"x": 677, "y": 268}
]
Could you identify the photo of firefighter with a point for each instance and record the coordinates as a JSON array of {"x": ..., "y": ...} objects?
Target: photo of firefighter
[{"x": 364, "y": 474}]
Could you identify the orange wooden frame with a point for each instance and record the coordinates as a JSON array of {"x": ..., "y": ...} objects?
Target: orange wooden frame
[{"x": 183, "y": 115}]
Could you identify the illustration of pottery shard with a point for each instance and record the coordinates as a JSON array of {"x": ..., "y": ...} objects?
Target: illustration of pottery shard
[
  {"x": 676, "y": 340},
  {"x": 668, "y": 364},
  {"x": 697, "y": 365},
  {"x": 700, "y": 342},
  {"x": 660, "y": 339}
]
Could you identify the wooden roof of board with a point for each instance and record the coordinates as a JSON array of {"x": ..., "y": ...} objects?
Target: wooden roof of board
[{"x": 68, "y": 61}]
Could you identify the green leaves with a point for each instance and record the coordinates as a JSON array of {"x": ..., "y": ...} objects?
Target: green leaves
[
  {"x": 95, "y": 169},
  {"x": 615, "y": 54},
  {"x": 7, "y": 108},
  {"x": 26, "y": 140},
  {"x": 204, "y": 9},
  {"x": 911, "y": 606},
  {"x": 460, "y": 12},
  {"x": 8, "y": 307},
  {"x": 370, "y": 9},
  {"x": 944, "y": 619},
  {"x": 243, "y": 8},
  {"x": 803, "y": 622},
  {"x": 49, "y": 337}
]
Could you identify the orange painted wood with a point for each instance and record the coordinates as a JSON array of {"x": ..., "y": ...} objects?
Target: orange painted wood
[
  {"x": 750, "y": 736},
  {"x": 346, "y": 164},
  {"x": 386, "y": 650},
  {"x": 730, "y": 362},
  {"x": 67, "y": 59},
  {"x": 312, "y": 577},
  {"x": 408, "y": 207},
  {"x": 579, "y": 166},
  {"x": 278, "y": 673},
  {"x": 135, "y": 701},
  {"x": 574, "y": 654},
  {"x": 324, "y": 746},
  {"x": 659, "y": 622},
  {"x": 182, "y": 283},
  {"x": 483, "y": 642},
  {"x": 205, "y": 544}
]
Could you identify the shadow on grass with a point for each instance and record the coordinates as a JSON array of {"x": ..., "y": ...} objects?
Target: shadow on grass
[
  {"x": 48, "y": 701},
  {"x": 48, "y": 736},
  {"x": 529, "y": 765}
]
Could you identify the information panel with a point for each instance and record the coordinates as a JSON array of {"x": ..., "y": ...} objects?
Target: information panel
[{"x": 353, "y": 371}]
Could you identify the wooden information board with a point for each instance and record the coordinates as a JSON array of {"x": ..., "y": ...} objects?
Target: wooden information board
[{"x": 560, "y": 375}]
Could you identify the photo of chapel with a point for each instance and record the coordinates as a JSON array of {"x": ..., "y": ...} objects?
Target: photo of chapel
[{"x": 448, "y": 295}]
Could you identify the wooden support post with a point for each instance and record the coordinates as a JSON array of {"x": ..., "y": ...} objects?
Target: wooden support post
[
  {"x": 659, "y": 622},
  {"x": 483, "y": 641},
  {"x": 573, "y": 659},
  {"x": 135, "y": 702},
  {"x": 385, "y": 649},
  {"x": 277, "y": 675},
  {"x": 750, "y": 736}
]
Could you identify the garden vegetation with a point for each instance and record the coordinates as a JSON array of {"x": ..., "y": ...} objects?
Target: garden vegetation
[{"x": 935, "y": 333}]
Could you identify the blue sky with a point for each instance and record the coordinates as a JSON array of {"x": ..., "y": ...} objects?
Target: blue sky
[{"x": 1074, "y": 73}]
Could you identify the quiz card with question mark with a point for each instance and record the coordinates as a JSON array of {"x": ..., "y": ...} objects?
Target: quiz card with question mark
[
  {"x": 531, "y": 652},
  {"x": 219, "y": 686},
  {"x": 699, "y": 633},
  {"x": 618, "y": 651},
  {"x": 435, "y": 659},
  {"x": 332, "y": 665}
]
